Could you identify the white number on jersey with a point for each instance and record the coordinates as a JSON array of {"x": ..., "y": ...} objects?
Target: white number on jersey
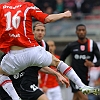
[{"x": 12, "y": 21}]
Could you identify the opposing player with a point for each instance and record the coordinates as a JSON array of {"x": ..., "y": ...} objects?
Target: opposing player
[
  {"x": 30, "y": 77},
  {"x": 82, "y": 51},
  {"x": 17, "y": 40}
]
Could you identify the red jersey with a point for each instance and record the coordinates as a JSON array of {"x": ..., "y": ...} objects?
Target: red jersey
[
  {"x": 48, "y": 80},
  {"x": 16, "y": 24}
]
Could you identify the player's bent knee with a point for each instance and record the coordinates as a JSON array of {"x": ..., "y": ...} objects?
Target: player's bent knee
[{"x": 55, "y": 61}]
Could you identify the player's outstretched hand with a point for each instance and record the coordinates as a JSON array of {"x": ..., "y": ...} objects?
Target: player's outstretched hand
[
  {"x": 88, "y": 63},
  {"x": 68, "y": 14},
  {"x": 63, "y": 80}
]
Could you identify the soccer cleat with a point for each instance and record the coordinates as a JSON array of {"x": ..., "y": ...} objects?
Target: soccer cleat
[{"x": 90, "y": 90}]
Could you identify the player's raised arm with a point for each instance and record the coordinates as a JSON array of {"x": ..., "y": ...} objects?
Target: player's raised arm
[{"x": 55, "y": 17}]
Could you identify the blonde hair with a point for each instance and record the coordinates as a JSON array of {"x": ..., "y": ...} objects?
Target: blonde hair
[{"x": 37, "y": 23}]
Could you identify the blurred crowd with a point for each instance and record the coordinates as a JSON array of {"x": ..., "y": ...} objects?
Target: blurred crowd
[{"x": 78, "y": 7}]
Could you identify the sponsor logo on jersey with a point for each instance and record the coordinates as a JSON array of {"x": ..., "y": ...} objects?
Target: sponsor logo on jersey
[
  {"x": 82, "y": 47},
  {"x": 11, "y": 7},
  {"x": 83, "y": 57},
  {"x": 14, "y": 35},
  {"x": 75, "y": 50}
]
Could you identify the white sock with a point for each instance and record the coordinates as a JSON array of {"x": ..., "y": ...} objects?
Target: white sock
[
  {"x": 70, "y": 73},
  {"x": 7, "y": 85}
]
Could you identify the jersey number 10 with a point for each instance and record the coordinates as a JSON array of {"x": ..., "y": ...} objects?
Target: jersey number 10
[{"x": 12, "y": 21}]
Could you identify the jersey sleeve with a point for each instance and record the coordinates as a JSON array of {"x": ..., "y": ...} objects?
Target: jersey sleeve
[
  {"x": 65, "y": 53},
  {"x": 38, "y": 14},
  {"x": 97, "y": 54}
]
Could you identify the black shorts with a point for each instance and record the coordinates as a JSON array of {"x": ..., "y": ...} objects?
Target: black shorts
[
  {"x": 30, "y": 92},
  {"x": 4, "y": 95},
  {"x": 75, "y": 87}
]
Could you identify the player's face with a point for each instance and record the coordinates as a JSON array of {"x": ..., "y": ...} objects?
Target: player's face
[
  {"x": 52, "y": 47},
  {"x": 81, "y": 32},
  {"x": 39, "y": 32}
]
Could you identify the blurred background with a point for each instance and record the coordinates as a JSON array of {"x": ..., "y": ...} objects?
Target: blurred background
[{"x": 63, "y": 31}]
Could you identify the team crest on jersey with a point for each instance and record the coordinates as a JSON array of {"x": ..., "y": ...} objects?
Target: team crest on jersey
[{"x": 82, "y": 47}]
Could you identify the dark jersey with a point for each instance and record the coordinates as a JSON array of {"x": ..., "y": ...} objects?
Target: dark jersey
[{"x": 79, "y": 53}]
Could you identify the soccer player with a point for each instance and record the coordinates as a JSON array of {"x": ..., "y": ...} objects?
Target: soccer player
[
  {"x": 29, "y": 78},
  {"x": 82, "y": 54},
  {"x": 17, "y": 40},
  {"x": 49, "y": 84}
]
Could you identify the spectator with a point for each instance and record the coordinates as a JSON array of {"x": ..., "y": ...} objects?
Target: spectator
[
  {"x": 60, "y": 6},
  {"x": 77, "y": 9},
  {"x": 47, "y": 3},
  {"x": 69, "y": 4},
  {"x": 49, "y": 10},
  {"x": 87, "y": 6}
]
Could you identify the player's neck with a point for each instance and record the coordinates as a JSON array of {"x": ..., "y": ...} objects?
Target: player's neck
[{"x": 82, "y": 41}]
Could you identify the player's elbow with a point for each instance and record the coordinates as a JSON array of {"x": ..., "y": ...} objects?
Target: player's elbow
[{"x": 48, "y": 20}]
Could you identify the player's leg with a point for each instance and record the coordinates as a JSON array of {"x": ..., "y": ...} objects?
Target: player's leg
[
  {"x": 70, "y": 73},
  {"x": 4, "y": 95},
  {"x": 45, "y": 58},
  {"x": 56, "y": 93},
  {"x": 75, "y": 97},
  {"x": 81, "y": 96},
  {"x": 7, "y": 85},
  {"x": 43, "y": 97},
  {"x": 49, "y": 93},
  {"x": 78, "y": 95},
  {"x": 21, "y": 59}
]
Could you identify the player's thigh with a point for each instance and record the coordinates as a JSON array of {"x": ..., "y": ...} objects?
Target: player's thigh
[
  {"x": 16, "y": 61},
  {"x": 43, "y": 97},
  {"x": 43, "y": 58}
]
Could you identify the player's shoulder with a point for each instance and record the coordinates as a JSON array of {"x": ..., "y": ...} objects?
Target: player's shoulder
[
  {"x": 29, "y": 4},
  {"x": 73, "y": 43},
  {"x": 2, "y": 4},
  {"x": 94, "y": 43}
]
